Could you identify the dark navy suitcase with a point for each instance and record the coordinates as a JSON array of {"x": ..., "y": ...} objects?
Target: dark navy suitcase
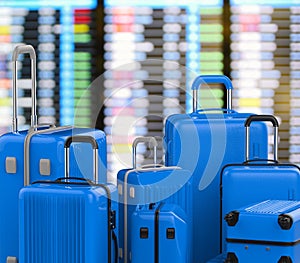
[
  {"x": 203, "y": 142},
  {"x": 145, "y": 185},
  {"x": 69, "y": 220},
  {"x": 258, "y": 180},
  {"x": 268, "y": 231},
  {"x": 160, "y": 234},
  {"x": 40, "y": 152}
]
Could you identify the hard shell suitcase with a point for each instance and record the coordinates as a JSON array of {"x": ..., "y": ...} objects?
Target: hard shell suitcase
[
  {"x": 44, "y": 146},
  {"x": 268, "y": 231},
  {"x": 203, "y": 142},
  {"x": 258, "y": 180},
  {"x": 145, "y": 185},
  {"x": 49, "y": 163},
  {"x": 160, "y": 234},
  {"x": 68, "y": 220}
]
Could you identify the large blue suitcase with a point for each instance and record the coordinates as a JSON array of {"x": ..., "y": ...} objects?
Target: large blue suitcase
[
  {"x": 258, "y": 180},
  {"x": 268, "y": 231},
  {"x": 145, "y": 185},
  {"x": 160, "y": 233},
  {"x": 43, "y": 152},
  {"x": 69, "y": 220},
  {"x": 203, "y": 142}
]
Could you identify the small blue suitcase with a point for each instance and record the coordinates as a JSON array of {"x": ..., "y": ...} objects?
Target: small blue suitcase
[
  {"x": 69, "y": 220},
  {"x": 150, "y": 184},
  {"x": 258, "y": 180},
  {"x": 268, "y": 231},
  {"x": 203, "y": 142},
  {"x": 40, "y": 152},
  {"x": 160, "y": 233}
]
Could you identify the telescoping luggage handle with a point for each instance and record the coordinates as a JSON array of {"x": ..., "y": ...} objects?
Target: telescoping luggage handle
[
  {"x": 152, "y": 143},
  {"x": 110, "y": 214},
  {"x": 24, "y": 49},
  {"x": 212, "y": 79},
  {"x": 269, "y": 118},
  {"x": 84, "y": 139}
]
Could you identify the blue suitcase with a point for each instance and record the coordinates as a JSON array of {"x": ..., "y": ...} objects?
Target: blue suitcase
[
  {"x": 45, "y": 148},
  {"x": 258, "y": 180},
  {"x": 160, "y": 233},
  {"x": 151, "y": 184},
  {"x": 69, "y": 220},
  {"x": 268, "y": 231},
  {"x": 203, "y": 142}
]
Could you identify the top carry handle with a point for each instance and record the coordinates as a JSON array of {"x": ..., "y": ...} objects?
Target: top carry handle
[
  {"x": 151, "y": 141},
  {"x": 212, "y": 79},
  {"x": 84, "y": 139},
  {"x": 24, "y": 49},
  {"x": 269, "y": 118}
]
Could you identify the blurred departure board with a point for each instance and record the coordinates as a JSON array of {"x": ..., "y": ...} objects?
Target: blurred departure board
[
  {"x": 150, "y": 51},
  {"x": 265, "y": 65},
  {"x": 153, "y": 49},
  {"x": 63, "y": 35}
]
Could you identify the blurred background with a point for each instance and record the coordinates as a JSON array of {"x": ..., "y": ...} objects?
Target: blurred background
[{"x": 125, "y": 65}]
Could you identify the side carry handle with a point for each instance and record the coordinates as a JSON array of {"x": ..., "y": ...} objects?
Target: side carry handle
[
  {"x": 269, "y": 118},
  {"x": 24, "y": 49},
  {"x": 152, "y": 143},
  {"x": 212, "y": 79},
  {"x": 83, "y": 139}
]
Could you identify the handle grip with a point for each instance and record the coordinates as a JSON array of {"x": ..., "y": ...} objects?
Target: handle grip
[
  {"x": 83, "y": 139},
  {"x": 84, "y": 180},
  {"x": 24, "y": 49},
  {"x": 212, "y": 79},
  {"x": 151, "y": 141},
  {"x": 269, "y": 118}
]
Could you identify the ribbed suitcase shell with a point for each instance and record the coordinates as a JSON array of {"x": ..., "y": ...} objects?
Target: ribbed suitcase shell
[
  {"x": 243, "y": 184},
  {"x": 64, "y": 223},
  {"x": 157, "y": 245},
  {"x": 47, "y": 146},
  {"x": 267, "y": 231},
  {"x": 145, "y": 186}
]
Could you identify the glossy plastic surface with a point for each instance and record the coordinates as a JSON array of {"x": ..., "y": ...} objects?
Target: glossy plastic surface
[
  {"x": 265, "y": 239},
  {"x": 203, "y": 143},
  {"x": 167, "y": 184},
  {"x": 160, "y": 248},
  {"x": 255, "y": 182},
  {"x": 64, "y": 223},
  {"x": 44, "y": 146}
]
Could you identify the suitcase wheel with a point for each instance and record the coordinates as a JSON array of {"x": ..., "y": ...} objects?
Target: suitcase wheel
[
  {"x": 232, "y": 218},
  {"x": 231, "y": 258},
  {"x": 285, "y": 222},
  {"x": 285, "y": 259}
]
